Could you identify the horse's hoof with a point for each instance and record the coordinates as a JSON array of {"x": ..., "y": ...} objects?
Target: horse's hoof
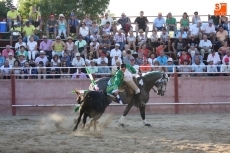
[
  {"x": 122, "y": 125},
  {"x": 148, "y": 125}
]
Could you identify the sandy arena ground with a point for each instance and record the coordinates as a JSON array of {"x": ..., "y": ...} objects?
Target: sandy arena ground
[{"x": 197, "y": 133}]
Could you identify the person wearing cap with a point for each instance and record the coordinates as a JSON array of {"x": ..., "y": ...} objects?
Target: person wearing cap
[
  {"x": 214, "y": 57},
  {"x": 70, "y": 47},
  {"x": 170, "y": 65},
  {"x": 62, "y": 26},
  {"x": 15, "y": 33},
  {"x": 58, "y": 47},
  {"x": 103, "y": 68},
  {"x": 171, "y": 23},
  {"x": 226, "y": 56},
  {"x": 225, "y": 67},
  {"x": 35, "y": 18},
  {"x": 198, "y": 66},
  {"x": 195, "y": 18},
  {"x": 205, "y": 45},
  {"x": 94, "y": 47},
  {"x": 184, "y": 21},
  {"x": 115, "y": 51},
  {"x": 51, "y": 26},
  {"x": 5, "y": 52},
  {"x": 102, "y": 58},
  {"x": 12, "y": 16},
  {"x": 209, "y": 30},
  {"x": 45, "y": 45},
  {"x": 145, "y": 67},
  {"x": 81, "y": 46},
  {"x": 78, "y": 61},
  {"x": 11, "y": 59},
  {"x": 141, "y": 23},
  {"x": 159, "y": 22},
  {"x": 196, "y": 30},
  {"x": 211, "y": 68},
  {"x": 120, "y": 39},
  {"x": 128, "y": 57},
  {"x": 29, "y": 30},
  {"x": 41, "y": 62},
  {"x": 73, "y": 24}
]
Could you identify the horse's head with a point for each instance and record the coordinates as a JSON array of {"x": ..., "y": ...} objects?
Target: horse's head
[{"x": 161, "y": 84}]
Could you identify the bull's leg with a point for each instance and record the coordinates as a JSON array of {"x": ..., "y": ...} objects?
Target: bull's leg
[
  {"x": 142, "y": 112},
  {"x": 78, "y": 120},
  {"x": 121, "y": 121},
  {"x": 84, "y": 120}
]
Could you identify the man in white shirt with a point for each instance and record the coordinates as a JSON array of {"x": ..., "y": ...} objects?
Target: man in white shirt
[
  {"x": 115, "y": 59},
  {"x": 41, "y": 62},
  {"x": 115, "y": 51},
  {"x": 102, "y": 58},
  {"x": 205, "y": 45},
  {"x": 209, "y": 30},
  {"x": 78, "y": 61},
  {"x": 110, "y": 20},
  {"x": 159, "y": 23},
  {"x": 195, "y": 29},
  {"x": 215, "y": 57},
  {"x": 211, "y": 68},
  {"x": 11, "y": 59}
]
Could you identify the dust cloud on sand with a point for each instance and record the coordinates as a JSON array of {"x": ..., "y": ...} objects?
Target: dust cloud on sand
[{"x": 196, "y": 133}]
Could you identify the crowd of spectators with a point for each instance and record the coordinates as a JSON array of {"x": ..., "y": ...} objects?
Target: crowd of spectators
[{"x": 195, "y": 47}]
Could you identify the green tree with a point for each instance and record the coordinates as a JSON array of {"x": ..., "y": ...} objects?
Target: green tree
[
  {"x": 5, "y": 7},
  {"x": 25, "y": 7}
]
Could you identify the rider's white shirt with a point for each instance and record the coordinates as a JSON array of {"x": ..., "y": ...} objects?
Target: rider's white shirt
[{"x": 128, "y": 76}]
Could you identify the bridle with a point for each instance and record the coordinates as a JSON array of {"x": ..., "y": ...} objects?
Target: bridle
[{"x": 163, "y": 80}]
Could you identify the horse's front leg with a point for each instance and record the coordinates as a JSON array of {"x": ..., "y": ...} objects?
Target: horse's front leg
[
  {"x": 121, "y": 121},
  {"x": 142, "y": 112}
]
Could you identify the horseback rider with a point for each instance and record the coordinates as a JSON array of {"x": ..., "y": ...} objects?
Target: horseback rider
[{"x": 125, "y": 73}]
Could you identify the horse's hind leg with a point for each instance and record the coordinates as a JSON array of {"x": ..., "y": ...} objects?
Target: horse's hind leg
[
  {"x": 127, "y": 109},
  {"x": 78, "y": 120},
  {"x": 84, "y": 120},
  {"x": 142, "y": 112}
]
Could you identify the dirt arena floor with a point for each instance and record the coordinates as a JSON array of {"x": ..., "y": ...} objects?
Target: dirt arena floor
[{"x": 196, "y": 133}]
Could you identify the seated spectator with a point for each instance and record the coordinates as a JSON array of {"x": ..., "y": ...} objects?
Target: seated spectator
[
  {"x": 58, "y": 47},
  {"x": 115, "y": 51},
  {"x": 79, "y": 74},
  {"x": 162, "y": 59},
  {"x": 157, "y": 66},
  {"x": 152, "y": 59},
  {"x": 105, "y": 21},
  {"x": 26, "y": 71},
  {"x": 141, "y": 23},
  {"x": 171, "y": 23},
  {"x": 94, "y": 31},
  {"x": 215, "y": 19},
  {"x": 23, "y": 52},
  {"x": 32, "y": 49},
  {"x": 161, "y": 47},
  {"x": 192, "y": 50},
  {"x": 145, "y": 52},
  {"x": 62, "y": 26},
  {"x": 116, "y": 66},
  {"x": 141, "y": 38},
  {"x": 178, "y": 45},
  {"x": 128, "y": 57},
  {"x": 94, "y": 48},
  {"x": 223, "y": 21},
  {"x": 45, "y": 45},
  {"x": 170, "y": 65},
  {"x": 41, "y": 62},
  {"x": 222, "y": 36},
  {"x": 12, "y": 16},
  {"x": 106, "y": 29},
  {"x": 125, "y": 23},
  {"x": 195, "y": 30},
  {"x": 89, "y": 58},
  {"x": 88, "y": 21},
  {"x": 211, "y": 68},
  {"x": 225, "y": 67},
  {"x": 205, "y": 45},
  {"x": 16, "y": 69},
  {"x": 154, "y": 40},
  {"x": 192, "y": 42},
  {"x": 92, "y": 68},
  {"x": 6, "y": 70},
  {"x": 226, "y": 56},
  {"x": 51, "y": 26},
  {"x": 19, "y": 44},
  {"x": 120, "y": 39},
  {"x": 134, "y": 65},
  {"x": 35, "y": 18},
  {"x": 125, "y": 50},
  {"x": 5, "y": 52},
  {"x": 66, "y": 58},
  {"x": 114, "y": 59},
  {"x": 139, "y": 59},
  {"x": 197, "y": 55},
  {"x": 11, "y": 59},
  {"x": 102, "y": 58},
  {"x": 182, "y": 33},
  {"x": 214, "y": 57},
  {"x": 84, "y": 31},
  {"x": 209, "y": 31},
  {"x": 55, "y": 63},
  {"x": 165, "y": 38},
  {"x": 185, "y": 67},
  {"x": 65, "y": 72},
  {"x": 2, "y": 59},
  {"x": 145, "y": 67},
  {"x": 22, "y": 60},
  {"x": 105, "y": 43},
  {"x": 103, "y": 69},
  {"x": 15, "y": 32},
  {"x": 29, "y": 31},
  {"x": 222, "y": 50},
  {"x": 70, "y": 47},
  {"x": 81, "y": 46},
  {"x": 195, "y": 18},
  {"x": 73, "y": 25},
  {"x": 159, "y": 23},
  {"x": 78, "y": 61},
  {"x": 197, "y": 66},
  {"x": 184, "y": 56},
  {"x": 184, "y": 21}
]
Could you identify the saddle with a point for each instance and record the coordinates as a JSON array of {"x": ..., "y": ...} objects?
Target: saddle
[{"x": 129, "y": 91}]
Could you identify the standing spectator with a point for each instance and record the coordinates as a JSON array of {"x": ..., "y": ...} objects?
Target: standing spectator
[
  {"x": 197, "y": 66},
  {"x": 2, "y": 59},
  {"x": 225, "y": 67},
  {"x": 45, "y": 45},
  {"x": 141, "y": 23},
  {"x": 23, "y": 52},
  {"x": 125, "y": 23},
  {"x": 105, "y": 43},
  {"x": 51, "y": 26},
  {"x": 94, "y": 31},
  {"x": 62, "y": 26},
  {"x": 84, "y": 31},
  {"x": 79, "y": 74},
  {"x": 184, "y": 56},
  {"x": 209, "y": 30},
  {"x": 128, "y": 57},
  {"x": 205, "y": 45},
  {"x": 19, "y": 44},
  {"x": 195, "y": 18},
  {"x": 184, "y": 21},
  {"x": 115, "y": 51},
  {"x": 110, "y": 20},
  {"x": 221, "y": 35},
  {"x": 29, "y": 30},
  {"x": 78, "y": 61},
  {"x": 88, "y": 21},
  {"x": 178, "y": 45},
  {"x": 165, "y": 38},
  {"x": 195, "y": 30},
  {"x": 131, "y": 39},
  {"x": 159, "y": 22},
  {"x": 41, "y": 62},
  {"x": 120, "y": 39},
  {"x": 73, "y": 24},
  {"x": 32, "y": 49},
  {"x": 5, "y": 70},
  {"x": 12, "y": 16},
  {"x": 35, "y": 18},
  {"x": 211, "y": 68},
  {"x": 15, "y": 33},
  {"x": 81, "y": 46},
  {"x": 171, "y": 23},
  {"x": 11, "y": 59},
  {"x": 162, "y": 59},
  {"x": 58, "y": 47},
  {"x": 5, "y": 52},
  {"x": 101, "y": 59},
  {"x": 103, "y": 69},
  {"x": 70, "y": 47}
]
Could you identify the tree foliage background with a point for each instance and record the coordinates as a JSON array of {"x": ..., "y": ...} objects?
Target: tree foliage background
[
  {"x": 66, "y": 7},
  {"x": 5, "y": 6}
]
